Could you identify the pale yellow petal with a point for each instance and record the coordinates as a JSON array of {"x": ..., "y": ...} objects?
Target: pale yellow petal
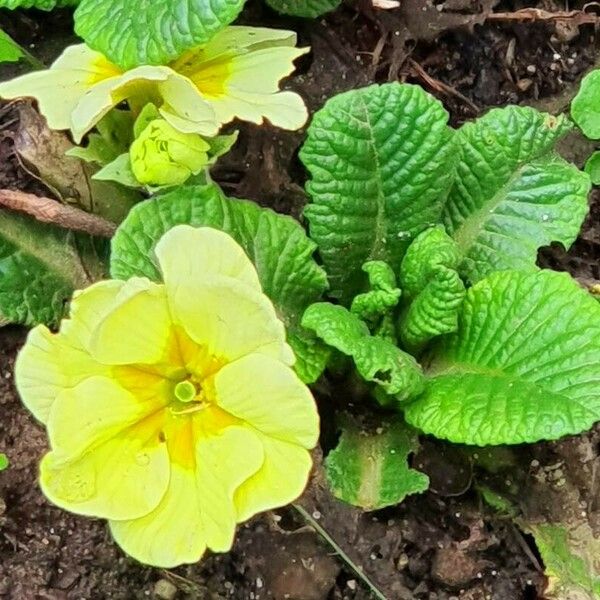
[
  {"x": 261, "y": 71},
  {"x": 283, "y": 109},
  {"x": 172, "y": 534},
  {"x": 197, "y": 510},
  {"x": 229, "y": 318},
  {"x": 59, "y": 89},
  {"x": 193, "y": 254},
  {"x": 223, "y": 462},
  {"x": 138, "y": 327},
  {"x": 161, "y": 85},
  {"x": 94, "y": 412},
  {"x": 281, "y": 479},
  {"x": 269, "y": 396},
  {"x": 124, "y": 477},
  {"x": 48, "y": 364}
]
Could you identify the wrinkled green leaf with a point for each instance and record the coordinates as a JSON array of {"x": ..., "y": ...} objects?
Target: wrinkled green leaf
[
  {"x": 370, "y": 469},
  {"x": 40, "y": 4},
  {"x": 275, "y": 243},
  {"x": 381, "y": 160},
  {"x": 154, "y": 33},
  {"x": 41, "y": 266},
  {"x": 522, "y": 367},
  {"x": 383, "y": 295},
  {"x": 570, "y": 556},
  {"x": 585, "y": 108},
  {"x": 377, "y": 360},
  {"x": 430, "y": 281},
  {"x": 592, "y": 168},
  {"x": 3, "y": 461},
  {"x": 10, "y": 51},
  {"x": 512, "y": 193},
  {"x": 309, "y": 9}
]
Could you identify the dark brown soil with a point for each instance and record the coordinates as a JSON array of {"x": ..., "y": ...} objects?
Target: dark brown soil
[{"x": 442, "y": 545}]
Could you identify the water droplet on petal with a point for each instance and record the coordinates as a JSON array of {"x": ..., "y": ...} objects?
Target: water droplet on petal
[
  {"x": 142, "y": 459},
  {"x": 73, "y": 485}
]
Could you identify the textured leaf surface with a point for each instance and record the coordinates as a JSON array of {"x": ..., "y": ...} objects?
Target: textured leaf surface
[
  {"x": 40, "y": 267},
  {"x": 41, "y": 4},
  {"x": 570, "y": 556},
  {"x": 304, "y": 8},
  {"x": 592, "y": 168},
  {"x": 431, "y": 282},
  {"x": 585, "y": 108},
  {"x": 523, "y": 366},
  {"x": 383, "y": 295},
  {"x": 371, "y": 470},
  {"x": 512, "y": 193},
  {"x": 153, "y": 33},
  {"x": 381, "y": 160},
  {"x": 377, "y": 360},
  {"x": 275, "y": 243}
]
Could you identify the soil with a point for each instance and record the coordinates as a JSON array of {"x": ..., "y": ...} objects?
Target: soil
[{"x": 442, "y": 545}]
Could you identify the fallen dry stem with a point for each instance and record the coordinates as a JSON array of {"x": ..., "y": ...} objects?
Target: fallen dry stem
[
  {"x": 51, "y": 211},
  {"x": 578, "y": 17}
]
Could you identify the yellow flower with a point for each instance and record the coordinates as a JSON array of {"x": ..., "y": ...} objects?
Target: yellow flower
[
  {"x": 163, "y": 156},
  {"x": 172, "y": 409},
  {"x": 236, "y": 74}
]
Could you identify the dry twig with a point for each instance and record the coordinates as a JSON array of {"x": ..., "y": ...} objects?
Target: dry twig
[
  {"x": 577, "y": 17},
  {"x": 51, "y": 211}
]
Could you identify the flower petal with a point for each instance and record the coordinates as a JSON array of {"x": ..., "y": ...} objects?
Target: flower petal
[
  {"x": 229, "y": 318},
  {"x": 160, "y": 85},
  {"x": 197, "y": 511},
  {"x": 59, "y": 89},
  {"x": 283, "y": 109},
  {"x": 172, "y": 533},
  {"x": 269, "y": 396},
  {"x": 48, "y": 363},
  {"x": 193, "y": 254},
  {"x": 140, "y": 312},
  {"x": 124, "y": 477},
  {"x": 94, "y": 412},
  {"x": 281, "y": 479}
]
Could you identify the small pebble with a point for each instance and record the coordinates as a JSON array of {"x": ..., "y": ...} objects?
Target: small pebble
[{"x": 164, "y": 590}]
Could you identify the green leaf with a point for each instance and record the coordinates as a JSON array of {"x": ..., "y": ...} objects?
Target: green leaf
[
  {"x": 309, "y": 9},
  {"x": 39, "y": 4},
  {"x": 512, "y": 193},
  {"x": 377, "y": 360},
  {"x": 430, "y": 281},
  {"x": 119, "y": 171},
  {"x": 153, "y": 33},
  {"x": 10, "y": 51},
  {"x": 381, "y": 161},
  {"x": 3, "y": 461},
  {"x": 570, "y": 556},
  {"x": 40, "y": 267},
  {"x": 383, "y": 295},
  {"x": 522, "y": 367},
  {"x": 275, "y": 243},
  {"x": 585, "y": 108},
  {"x": 371, "y": 470},
  {"x": 592, "y": 168}
]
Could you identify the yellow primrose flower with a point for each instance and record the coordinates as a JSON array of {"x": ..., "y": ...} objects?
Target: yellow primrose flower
[
  {"x": 172, "y": 409},
  {"x": 236, "y": 74},
  {"x": 162, "y": 155}
]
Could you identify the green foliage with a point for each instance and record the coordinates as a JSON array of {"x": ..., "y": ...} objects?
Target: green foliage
[
  {"x": 431, "y": 284},
  {"x": 41, "y": 266},
  {"x": 304, "y": 8},
  {"x": 3, "y": 461},
  {"x": 371, "y": 470},
  {"x": 10, "y": 51},
  {"x": 585, "y": 108},
  {"x": 40, "y": 4},
  {"x": 276, "y": 244},
  {"x": 522, "y": 366},
  {"x": 155, "y": 33},
  {"x": 570, "y": 557},
  {"x": 592, "y": 168},
  {"x": 381, "y": 161},
  {"x": 512, "y": 192},
  {"x": 378, "y": 361}
]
